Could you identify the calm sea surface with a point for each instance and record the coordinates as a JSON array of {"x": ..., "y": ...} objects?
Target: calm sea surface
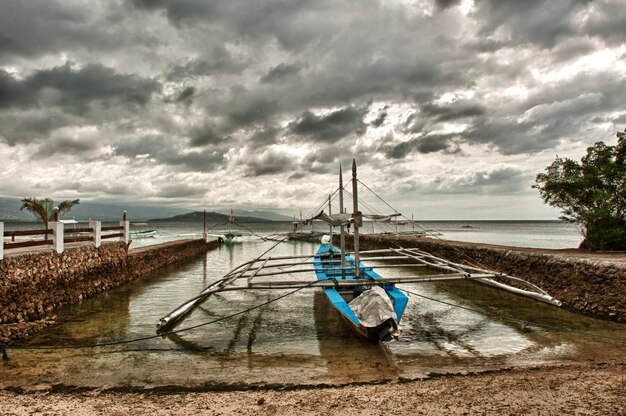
[
  {"x": 300, "y": 339},
  {"x": 540, "y": 234}
]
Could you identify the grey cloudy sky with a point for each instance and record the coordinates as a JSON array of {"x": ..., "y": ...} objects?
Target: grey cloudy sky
[{"x": 450, "y": 107}]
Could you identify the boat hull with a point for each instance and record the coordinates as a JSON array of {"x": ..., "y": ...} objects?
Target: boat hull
[
  {"x": 143, "y": 234},
  {"x": 376, "y": 334},
  {"x": 339, "y": 297}
]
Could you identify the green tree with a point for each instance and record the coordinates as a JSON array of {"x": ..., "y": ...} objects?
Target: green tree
[
  {"x": 591, "y": 193},
  {"x": 43, "y": 209}
]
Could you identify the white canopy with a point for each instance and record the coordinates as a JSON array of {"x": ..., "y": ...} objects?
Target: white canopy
[{"x": 344, "y": 219}]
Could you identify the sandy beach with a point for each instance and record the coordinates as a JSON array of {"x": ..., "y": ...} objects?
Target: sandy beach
[{"x": 584, "y": 389}]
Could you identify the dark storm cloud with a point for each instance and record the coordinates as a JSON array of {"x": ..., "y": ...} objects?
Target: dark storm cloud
[
  {"x": 293, "y": 24},
  {"x": 186, "y": 95},
  {"x": 501, "y": 179},
  {"x": 326, "y": 158},
  {"x": 74, "y": 89},
  {"x": 606, "y": 22},
  {"x": 424, "y": 145},
  {"x": 571, "y": 49},
  {"x": 330, "y": 127},
  {"x": 455, "y": 111},
  {"x": 180, "y": 190},
  {"x": 217, "y": 60},
  {"x": 93, "y": 82},
  {"x": 264, "y": 136},
  {"x": 166, "y": 151},
  {"x": 534, "y": 21},
  {"x": 269, "y": 163},
  {"x": 21, "y": 127},
  {"x": 49, "y": 28},
  {"x": 146, "y": 145},
  {"x": 620, "y": 120},
  {"x": 247, "y": 109},
  {"x": 205, "y": 135},
  {"x": 15, "y": 93},
  {"x": 550, "y": 115},
  {"x": 280, "y": 72},
  {"x": 66, "y": 146},
  {"x": 179, "y": 11},
  {"x": 380, "y": 119},
  {"x": 444, "y": 4}
]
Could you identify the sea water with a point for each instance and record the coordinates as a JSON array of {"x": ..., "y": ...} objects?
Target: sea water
[
  {"x": 538, "y": 234},
  {"x": 300, "y": 339}
]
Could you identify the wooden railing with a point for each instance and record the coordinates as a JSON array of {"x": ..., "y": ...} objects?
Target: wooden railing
[
  {"x": 20, "y": 233},
  {"x": 113, "y": 228},
  {"x": 93, "y": 233},
  {"x": 78, "y": 238}
]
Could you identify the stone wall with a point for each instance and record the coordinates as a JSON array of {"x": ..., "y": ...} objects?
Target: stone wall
[
  {"x": 592, "y": 287},
  {"x": 34, "y": 285}
]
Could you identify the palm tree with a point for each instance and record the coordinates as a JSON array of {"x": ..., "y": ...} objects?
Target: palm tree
[{"x": 43, "y": 209}]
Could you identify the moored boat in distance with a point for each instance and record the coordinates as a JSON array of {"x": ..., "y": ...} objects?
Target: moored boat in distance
[{"x": 140, "y": 232}]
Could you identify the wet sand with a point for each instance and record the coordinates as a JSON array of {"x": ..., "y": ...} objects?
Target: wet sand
[{"x": 582, "y": 389}]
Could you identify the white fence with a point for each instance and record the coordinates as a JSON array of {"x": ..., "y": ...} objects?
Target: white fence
[{"x": 56, "y": 235}]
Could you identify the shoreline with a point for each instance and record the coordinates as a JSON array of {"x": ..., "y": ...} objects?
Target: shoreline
[
  {"x": 588, "y": 386},
  {"x": 585, "y": 388}
]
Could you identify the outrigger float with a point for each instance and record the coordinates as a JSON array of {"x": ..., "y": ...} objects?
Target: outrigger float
[{"x": 370, "y": 303}]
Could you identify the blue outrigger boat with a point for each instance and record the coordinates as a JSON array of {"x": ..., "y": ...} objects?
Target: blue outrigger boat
[
  {"x": 370, "y": 304},
  {"x": 328, "y": 262},
  {"x": 375, "y": 318}
]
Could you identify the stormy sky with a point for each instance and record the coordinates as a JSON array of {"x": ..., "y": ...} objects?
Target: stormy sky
[{"x": 450, "y": 107}]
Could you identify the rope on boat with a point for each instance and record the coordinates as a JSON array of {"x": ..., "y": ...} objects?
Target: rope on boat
[
  {"x": 517, "y": 320},
  {"x": 4, "y": 348},
  {"x": 471, "y": 260},
  {"x": 196, "y": 233}
]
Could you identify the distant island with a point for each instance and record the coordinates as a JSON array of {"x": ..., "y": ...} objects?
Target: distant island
[
  {"x": 10, "y": 212},
  {"x": 197, "y": 216}
]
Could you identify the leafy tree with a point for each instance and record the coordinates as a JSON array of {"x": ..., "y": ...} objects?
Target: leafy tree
[
  {"x": 43, "y": 209},
  {"x": 591, "y": 193}
]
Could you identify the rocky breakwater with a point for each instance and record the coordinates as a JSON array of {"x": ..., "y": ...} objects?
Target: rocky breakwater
[
  {"x": 34, "y": 285},
  {"x": 586, "y": 282}
]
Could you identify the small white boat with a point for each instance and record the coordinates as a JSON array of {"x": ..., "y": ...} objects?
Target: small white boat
[{"x": 142, "y": 233}]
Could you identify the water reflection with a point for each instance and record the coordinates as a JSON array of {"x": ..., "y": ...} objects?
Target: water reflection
[{"x": 302, "y": 339}]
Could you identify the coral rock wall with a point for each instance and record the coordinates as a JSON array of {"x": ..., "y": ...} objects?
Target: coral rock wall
[
  {"x": 595, "y": 288},
  {"x": 34, "y": 285}
]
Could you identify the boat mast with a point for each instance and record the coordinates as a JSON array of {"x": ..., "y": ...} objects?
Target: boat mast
[
  {"x": 342, "y": 228},
  {"x": 355, "y": 212},
  {"x": 330, "y": 209}
]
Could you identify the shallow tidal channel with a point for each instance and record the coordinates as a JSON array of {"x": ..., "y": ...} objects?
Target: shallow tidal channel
[{"x": 298, "y": 340}]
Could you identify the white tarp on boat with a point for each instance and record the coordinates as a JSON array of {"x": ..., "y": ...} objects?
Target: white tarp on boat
[
  {"x": 373, "y": 307},
  {"x": 380, "y": 218},
  {"x": 334, "y": 219}
]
